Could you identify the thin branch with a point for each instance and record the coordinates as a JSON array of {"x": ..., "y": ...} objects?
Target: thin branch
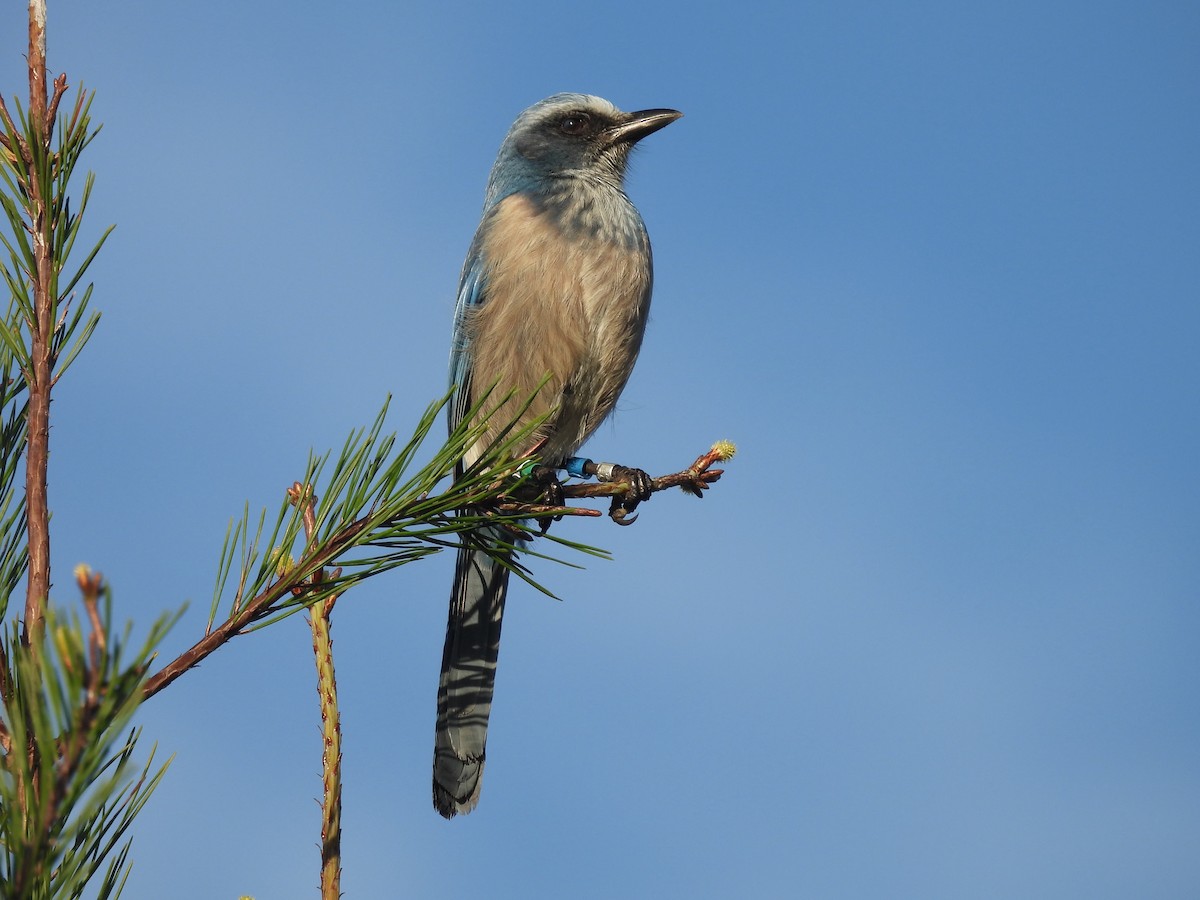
[
  {"x": 331, "y": 723},
  {"x": 258, "y": 607},
  {"x": 90, "y": 585},
  {"x": 40, "y": 377},
  {"x": 60, "y": 88},
  {"x": 37, "y": 64}
]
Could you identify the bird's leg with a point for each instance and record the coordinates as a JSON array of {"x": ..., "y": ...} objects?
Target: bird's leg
[
  {"x": 549, "y": 489},
  {"x": 640, "y": 485}
]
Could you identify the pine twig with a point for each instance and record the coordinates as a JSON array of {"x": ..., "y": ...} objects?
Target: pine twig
[
  {"x": 40, "y": 376},
  {"x": 253, "y": 610},
  {"x": 331, "y": 727}
]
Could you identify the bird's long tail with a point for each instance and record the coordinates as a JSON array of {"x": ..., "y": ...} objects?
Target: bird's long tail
[{"x": 468, "y": 678}]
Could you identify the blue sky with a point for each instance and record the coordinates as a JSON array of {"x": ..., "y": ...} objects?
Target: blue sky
[{"x": 933, "y": 266}]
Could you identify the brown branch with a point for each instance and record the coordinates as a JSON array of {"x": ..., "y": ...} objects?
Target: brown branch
[
  {"x": 331, "y": 723},
  {"x": 90, "y": 585},
  {"x": 37, "y": 63},
  {"x": 60, "y": 88},
  {"x": 545, "y": 510},
  {"x": 39, "y": 378},
  {"x": 255, "y": 609}
]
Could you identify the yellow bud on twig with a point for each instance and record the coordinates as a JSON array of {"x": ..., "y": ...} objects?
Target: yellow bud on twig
[{"x": 724, "y": 450}]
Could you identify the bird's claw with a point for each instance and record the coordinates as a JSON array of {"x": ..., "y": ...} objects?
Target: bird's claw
[{"x": 618, "y": 511}]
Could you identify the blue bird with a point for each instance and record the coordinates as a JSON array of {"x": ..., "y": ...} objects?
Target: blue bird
[{"x": 555, "y": 289}]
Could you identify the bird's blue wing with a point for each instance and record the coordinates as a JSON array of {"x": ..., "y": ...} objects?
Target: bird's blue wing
[{"x": 470, "y": 294}]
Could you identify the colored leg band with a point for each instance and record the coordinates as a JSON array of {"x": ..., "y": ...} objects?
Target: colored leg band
[
  {"x": 574, "y": 466},
  {"x": 604, "y": 471}
]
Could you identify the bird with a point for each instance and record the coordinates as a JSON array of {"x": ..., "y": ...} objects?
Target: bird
[{"x": 552, "y": 300}]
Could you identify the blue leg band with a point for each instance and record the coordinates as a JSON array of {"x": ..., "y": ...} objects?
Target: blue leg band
[{"x": 574, "y": 466}]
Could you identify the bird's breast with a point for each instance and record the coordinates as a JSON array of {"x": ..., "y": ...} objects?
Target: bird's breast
[{"x": 567, "y": 295}]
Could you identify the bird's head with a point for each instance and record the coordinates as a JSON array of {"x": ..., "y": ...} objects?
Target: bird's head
[{"x": 571, "y": 135}]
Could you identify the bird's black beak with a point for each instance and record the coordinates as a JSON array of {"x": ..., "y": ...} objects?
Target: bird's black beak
[{"x": 641, "y": 123}]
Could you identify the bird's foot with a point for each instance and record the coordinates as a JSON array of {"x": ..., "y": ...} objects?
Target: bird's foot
[
  {"x": 538, "y": 486},
  {"x": 639, "y": 486},
  {"x": 550, "y": 490}
]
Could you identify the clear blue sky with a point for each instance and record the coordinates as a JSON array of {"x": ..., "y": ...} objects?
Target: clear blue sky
[{"x": 934, "y": 267}]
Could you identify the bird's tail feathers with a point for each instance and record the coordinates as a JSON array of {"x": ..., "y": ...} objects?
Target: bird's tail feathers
[{"x": 468, "y": 678}]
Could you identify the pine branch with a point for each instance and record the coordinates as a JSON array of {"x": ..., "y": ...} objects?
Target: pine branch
[
  {"x": 41, "y": 326},
  {"x": 36, "y": 203},
  {"x": 373, "y": 516},
  {"x": 68, "y": 791},
  {"x": 331, "y": 727},
  {"x": 370, "y": 503}
]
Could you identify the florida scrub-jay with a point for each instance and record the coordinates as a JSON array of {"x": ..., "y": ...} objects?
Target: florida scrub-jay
[{"x": 555, "y": 288}]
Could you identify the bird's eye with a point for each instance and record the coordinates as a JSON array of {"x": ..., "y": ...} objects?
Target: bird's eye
[{"x": 575, "y": 123}]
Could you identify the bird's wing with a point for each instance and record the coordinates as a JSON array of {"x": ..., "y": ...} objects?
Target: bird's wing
[
  {"x": 471, "y": 293},
  {"x": 476, "y": 603}
]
